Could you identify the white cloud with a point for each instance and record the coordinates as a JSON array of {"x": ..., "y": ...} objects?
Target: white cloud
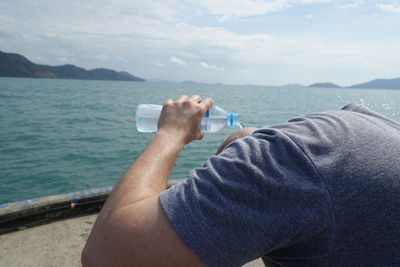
[
  {"x": 309, "y": 1},
  {"x": 211, "y": 66},
  {"x": 100, "y": 57},
  {"x": 224, "y": 18},
  {"x": 59, "y": 52},
  {"x": 389, "y": 8},
  {"x": 143, "y": 37},
  {"x": 177, "y": 61},
  {"x": 230, "y": 8},
  {"x": 159, "y": 63},
  {"x": 241, "y": 8},
  {"x": 352, "y": 4}
]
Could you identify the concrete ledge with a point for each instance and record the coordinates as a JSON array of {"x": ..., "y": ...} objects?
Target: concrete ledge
[
  {"x": 23, "y": 214},
  {"x": 55, "y": 244},
  {"x": 63, "y": 226}
]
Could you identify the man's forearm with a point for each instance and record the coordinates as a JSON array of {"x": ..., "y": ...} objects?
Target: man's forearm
[{"x": 148, "y": 175}]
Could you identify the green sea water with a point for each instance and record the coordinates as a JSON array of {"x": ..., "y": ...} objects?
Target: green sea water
[{"x": 58, "y": 136}]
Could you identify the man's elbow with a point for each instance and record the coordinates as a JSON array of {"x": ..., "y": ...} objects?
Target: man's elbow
[
  {"x": 101, "y": 249},
  {"x": 86, "y": 257},
  {"x": 92, "y": 254}
]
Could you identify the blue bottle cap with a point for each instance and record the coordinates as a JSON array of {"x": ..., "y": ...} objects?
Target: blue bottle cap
[{"x": 232, "y": 118}]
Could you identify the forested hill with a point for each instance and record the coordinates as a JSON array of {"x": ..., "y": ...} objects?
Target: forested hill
[
  {"x": 374, "y": 84},
  {"x": 15, "y": 65},
  {"x": 380, "y": 84},
  {"x": 324, "y": 85}
]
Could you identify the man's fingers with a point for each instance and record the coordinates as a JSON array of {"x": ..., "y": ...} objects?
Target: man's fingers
[
  {"x": 204, "y": 104},
  {"x": 182, "y": 98},
  {"x": 201, "y": 135},
  {"x": 168, "y": 102},
  {"x": 207, "y": 103},
  {"x": 195, "y": 98}
]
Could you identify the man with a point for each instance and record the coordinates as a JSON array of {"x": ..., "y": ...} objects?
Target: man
[{"x": 321, "y": 190}]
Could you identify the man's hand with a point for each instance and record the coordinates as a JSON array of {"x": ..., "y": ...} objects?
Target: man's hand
[{"x": 182, "y": 118}]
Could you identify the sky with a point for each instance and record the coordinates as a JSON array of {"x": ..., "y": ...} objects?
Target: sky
[{"x": 264, "y": 42}]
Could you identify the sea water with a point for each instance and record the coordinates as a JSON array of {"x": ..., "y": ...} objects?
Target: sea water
[{"x": 58, "y": 136}]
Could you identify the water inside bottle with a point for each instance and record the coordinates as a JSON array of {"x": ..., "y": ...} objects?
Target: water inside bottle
[
  {"x": 213, "y": 123},
  {"x": 146, "y": 125}
]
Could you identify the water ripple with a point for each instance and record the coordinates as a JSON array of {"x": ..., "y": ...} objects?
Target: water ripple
[{"x": 58, "y": 136}]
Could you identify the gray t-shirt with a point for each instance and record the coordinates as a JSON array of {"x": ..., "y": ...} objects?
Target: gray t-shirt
[{"x": 320, "y": 190}]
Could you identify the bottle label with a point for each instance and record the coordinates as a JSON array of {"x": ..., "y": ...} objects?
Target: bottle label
[
  {"x": 205, "y": 127},
  {"x": 230, "y": 119}
]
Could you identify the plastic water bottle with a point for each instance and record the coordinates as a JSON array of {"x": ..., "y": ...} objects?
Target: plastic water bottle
[{"x": 214, "y": 120}]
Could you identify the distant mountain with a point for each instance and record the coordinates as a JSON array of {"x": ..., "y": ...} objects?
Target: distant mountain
[
  {"x": 192, "y": 82},
  {"x": 15, "y": 65},
  {"x": 324, "y": 85},
  {"x": 296, "y": 85},
  {"x": 157, "y": 80},
  {"x": 379, "y": 84}
]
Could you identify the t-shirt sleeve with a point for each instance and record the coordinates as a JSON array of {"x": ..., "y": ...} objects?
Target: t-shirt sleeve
[{"x": 260, "y": 194}]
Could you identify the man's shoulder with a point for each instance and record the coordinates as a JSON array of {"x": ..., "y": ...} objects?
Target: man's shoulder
[{"x": 332, "y": 128}]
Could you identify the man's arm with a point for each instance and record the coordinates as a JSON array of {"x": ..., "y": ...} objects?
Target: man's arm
[{"x": 131, "y": 229}]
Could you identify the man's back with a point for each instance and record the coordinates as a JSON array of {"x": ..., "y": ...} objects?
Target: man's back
[
  {"x": 319, "y": 190},
  {"x": 362, "y": 176}
]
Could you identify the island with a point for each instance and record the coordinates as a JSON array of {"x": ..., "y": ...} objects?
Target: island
[
  {"x": 324, "y": 85},
  {"x": 15, "y": 65},
  {"x": 379, "y": 84}
]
